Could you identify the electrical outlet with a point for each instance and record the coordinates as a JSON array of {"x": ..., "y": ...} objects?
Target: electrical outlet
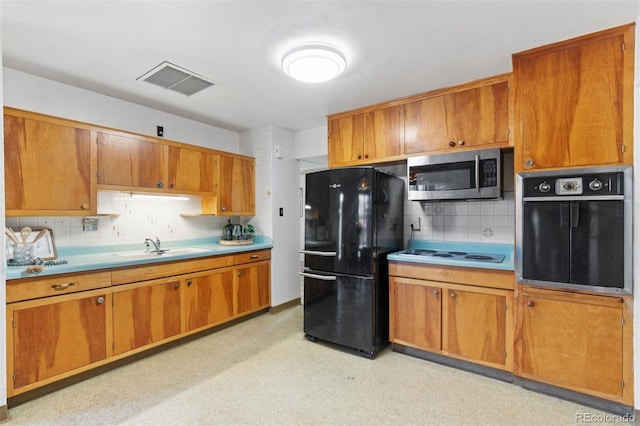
[{"x": 415, "y": 223}]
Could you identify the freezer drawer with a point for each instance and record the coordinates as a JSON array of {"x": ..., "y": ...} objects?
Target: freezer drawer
[{"x": 341, "y": 309}]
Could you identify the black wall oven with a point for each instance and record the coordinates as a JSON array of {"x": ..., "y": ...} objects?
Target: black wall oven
[{"x": 573, "y": 229}]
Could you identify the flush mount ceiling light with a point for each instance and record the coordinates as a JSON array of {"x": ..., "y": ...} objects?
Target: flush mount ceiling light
[{"x": 314, "y": 63}]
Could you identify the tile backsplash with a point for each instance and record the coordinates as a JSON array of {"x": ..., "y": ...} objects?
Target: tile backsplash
[
  {"x": 130, "y": 220},
  {"x": 490, "y": 221}
]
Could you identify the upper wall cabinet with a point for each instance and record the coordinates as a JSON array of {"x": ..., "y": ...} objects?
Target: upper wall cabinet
[
  {"x": 235, "y": 193},
  {"x": 49, "y": 165},
  {"x": 366, "y": 137},
  {"x": 472, "y": 115},
  {"x": 191, "y": 169},
  {"x": 575, "y": 101},
  {"x": 131, "y": 162}
]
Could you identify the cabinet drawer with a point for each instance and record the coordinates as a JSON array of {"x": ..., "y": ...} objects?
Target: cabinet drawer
[
  {"x": 36, "y": 287},
  {"x": 132, "y": 274},
  {"x": 251, "y": 256}
]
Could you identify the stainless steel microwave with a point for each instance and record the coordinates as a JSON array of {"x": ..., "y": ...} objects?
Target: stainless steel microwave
[{"x": 461, "y": 175}]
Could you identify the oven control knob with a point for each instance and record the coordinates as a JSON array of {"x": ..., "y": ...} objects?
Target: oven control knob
[
  {"x": 595, "y": 185},
  {"x": 544, "y": 187}
]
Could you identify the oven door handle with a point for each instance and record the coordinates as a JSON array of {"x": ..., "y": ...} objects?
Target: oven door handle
[
  {"x": 319, "y": 277},
  {"x": 477, "y": 173}
]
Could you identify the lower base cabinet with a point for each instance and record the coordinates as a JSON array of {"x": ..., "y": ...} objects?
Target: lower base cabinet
[
  {"x": 50, "y": 338},
  {"x": 462, "y": 321},
  {"x": 58, "y": 327},
  {"x": 576, "y": 341},
  {"x": 146, "y": 314}
]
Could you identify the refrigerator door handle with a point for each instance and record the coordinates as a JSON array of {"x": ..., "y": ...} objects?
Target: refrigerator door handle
[
  {"x": 319, "y": 277},
  {"x": 319, "y": 253}
]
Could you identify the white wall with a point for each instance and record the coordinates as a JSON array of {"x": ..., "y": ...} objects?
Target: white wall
[
  {"x": 311, "y": 143},
  {"x": 277, "y": 187},
  {"x": 3, "y": 266},
  {"x": 32, "y": 93}
]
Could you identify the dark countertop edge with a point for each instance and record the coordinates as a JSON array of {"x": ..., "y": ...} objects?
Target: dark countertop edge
[{"x": 105, "y": 259}]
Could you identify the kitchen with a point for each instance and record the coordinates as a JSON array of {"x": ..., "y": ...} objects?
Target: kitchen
[{"x": 36, "y": 88}]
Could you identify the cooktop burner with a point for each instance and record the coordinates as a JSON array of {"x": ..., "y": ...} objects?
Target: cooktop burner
[{"x": 455, "y": 255}]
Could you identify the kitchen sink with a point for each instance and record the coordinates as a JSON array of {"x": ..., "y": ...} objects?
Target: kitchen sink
[{"x": 166, "y": 253}]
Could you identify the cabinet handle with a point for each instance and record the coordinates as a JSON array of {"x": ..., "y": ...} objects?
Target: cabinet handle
[
  {"x": 239, "y": 273},
  {"x": 100, "y": 300},
  {"x": 160, "y": 185},
  {"x": 176, "y": 286},
  {"x": 435, "y": 292},
  {"x": 528, "y": 163},
  {"x": 223, "y": 208},
  {"x": 460, "y": 143},
  {"x": 189, "y": 283},
  {"x": 366, "y": 156},
  {"x": 452, "y": 294},
  {"x": 62, "y": 286},
  {"x": 255, "y": 256},
  {"x": 172, "y": 186},
  {"x": 452, "y": 144},
  {"x": 359, "y": 157},
  {"x": 85, "y": 206},
  {"x": 529, "y": 303}
]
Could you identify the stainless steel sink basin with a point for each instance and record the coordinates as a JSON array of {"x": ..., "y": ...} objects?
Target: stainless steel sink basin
[{"x": 167, "y": 253}]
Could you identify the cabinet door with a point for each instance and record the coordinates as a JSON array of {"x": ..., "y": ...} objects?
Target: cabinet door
[
  {"x": 47, "y": 168},
  {"x": 383, "y": 133},
  {"x": 236, "y": 190},
  {"x": 573, "y": 341},
  {"x": 346, "y": 139},
  {"x": 253, "y": 287},
  {"x": 415, "y": 313},
  {"x": 190, "y": 170},
  {"x": 144, "y": 315},
  {"x": 475, "y": 324},
  {"x": 425, "y": 125},
  {"x": 57, "y": 337},
  {"x": 131, "y": 162},
  {"x": 480, "y": 116},
  {"x": 209, "y": 299},
  {"x": 573, "y": 103}
]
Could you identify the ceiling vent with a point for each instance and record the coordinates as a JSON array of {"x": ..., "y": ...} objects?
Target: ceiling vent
[{"x": 175, "y": 78}]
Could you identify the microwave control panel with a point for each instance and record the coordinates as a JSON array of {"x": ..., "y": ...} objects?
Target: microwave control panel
[{"x": 596, "y": 184}]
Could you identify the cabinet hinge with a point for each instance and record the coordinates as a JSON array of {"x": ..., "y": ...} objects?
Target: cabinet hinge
[
  {"x": 13, "y": 323},
  {"x": 623, "y": 148},
  {"x": 622, "y": 320},
  {"x": 508, "y": 131},
  {"x": 622, "y": 384},
  {"x": 13, "y": 376},
  {"x": 623, "y": 47},
  {"x": 505, "y": 355}
]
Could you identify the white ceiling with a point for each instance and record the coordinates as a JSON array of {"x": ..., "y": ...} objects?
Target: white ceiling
[{"x": 394, "y": 48}]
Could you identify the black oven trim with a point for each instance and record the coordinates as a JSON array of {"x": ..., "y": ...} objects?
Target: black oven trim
[{"x": 627, "y": 199}]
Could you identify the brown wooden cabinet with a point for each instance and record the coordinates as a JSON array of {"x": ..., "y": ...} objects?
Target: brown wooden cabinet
[
  {"x": 128, "y": 162},
  {"x": 235, "y": 193},
  {"x": 209, "y": 298},
  {"x": 366, "y": 137},
  {"x": 473, "y": 115},
  {"x": 190, "y": 170},
  {"x": 574, "y": 101},
  {"x": 55, "y": 337},
  {"x": 146, "y": 313},
  {"x": 464, "y": 318},
  {"x": 253, "y": 287},
  {"x": 576, "y": 341},
  {"x": 49, "y": 166}
]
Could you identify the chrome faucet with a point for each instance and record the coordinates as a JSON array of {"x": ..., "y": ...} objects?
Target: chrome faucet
[{"x": 156, "y": 245}]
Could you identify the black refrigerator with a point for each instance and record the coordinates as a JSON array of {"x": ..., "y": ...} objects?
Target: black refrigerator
[{"x": 353, "y": 219}]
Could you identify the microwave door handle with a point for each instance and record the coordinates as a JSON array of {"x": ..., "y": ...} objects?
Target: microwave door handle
[{"x": 477, "y": 173}]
